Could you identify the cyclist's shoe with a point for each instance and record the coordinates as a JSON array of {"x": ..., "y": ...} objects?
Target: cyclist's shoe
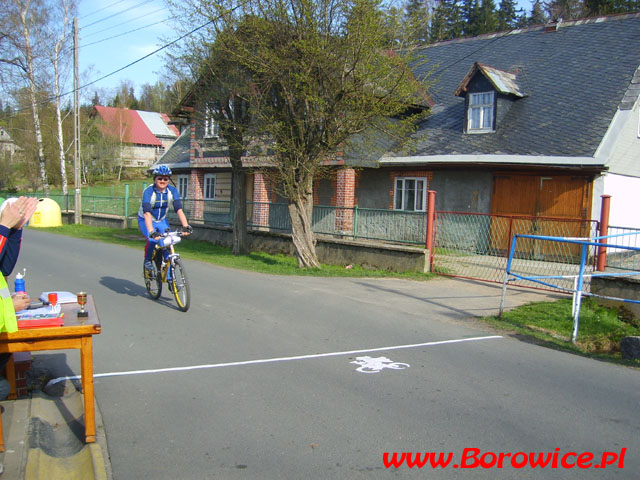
[{"x": 148, "y": 267}]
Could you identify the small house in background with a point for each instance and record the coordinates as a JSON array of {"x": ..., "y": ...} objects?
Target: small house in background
[
  {"x": 143, "y": 136},
  {"x": 8, "y": 147},
  {"x": 537, "y": 122}
]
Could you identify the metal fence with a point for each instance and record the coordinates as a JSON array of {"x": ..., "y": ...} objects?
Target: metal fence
[
  {"x": 357, "y": 223},
  {"x": 476, "y": 245},
  {"x": 623, "y": 259},
  {"x": 470, "y": 245}
]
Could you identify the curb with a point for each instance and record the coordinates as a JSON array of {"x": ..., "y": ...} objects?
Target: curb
[
  {"x": 44, "y": 439},
  {"x": 55, "y": 442},
  {"x": 86, "y": 464}
]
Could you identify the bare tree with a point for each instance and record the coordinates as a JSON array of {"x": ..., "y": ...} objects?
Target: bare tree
[
  {"x": 60, "y": 34},
  {"x": 21, "y": 20}
]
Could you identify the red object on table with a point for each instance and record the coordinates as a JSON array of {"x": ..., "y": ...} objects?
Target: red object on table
[
  {"x": 53, "y": 298},
  {"x": 40, "y": 322}
]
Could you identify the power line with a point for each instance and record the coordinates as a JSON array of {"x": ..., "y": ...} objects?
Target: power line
[
  {"x": 128, "y": 21},
  {"x": 146, "y": 56},
  {"x": 100, "y": 10},
  {"x": 49, "y": 99},
  {"x": 126, "y": 33},
  {"x": 118, "y": 13}
]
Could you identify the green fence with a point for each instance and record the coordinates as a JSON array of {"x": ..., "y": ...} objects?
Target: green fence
[{"x": 356, "y": 223}]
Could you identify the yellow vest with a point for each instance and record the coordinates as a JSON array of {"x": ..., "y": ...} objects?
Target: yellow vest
[{"x": 8, "y": 322}]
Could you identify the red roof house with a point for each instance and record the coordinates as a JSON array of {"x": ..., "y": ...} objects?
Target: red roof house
[{"x": 144, "y": 136}]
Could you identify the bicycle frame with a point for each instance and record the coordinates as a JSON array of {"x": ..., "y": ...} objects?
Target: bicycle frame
[{"x": 166, "y": 260}]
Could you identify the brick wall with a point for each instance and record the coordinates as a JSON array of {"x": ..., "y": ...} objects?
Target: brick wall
[
  {"x": 196, "y": 186},
  {"x": 345, "y": 199},
  {"x": 261, "y": 197},
  {"x": 21, "y": 365},
  {"x": 22, "y": 362}
]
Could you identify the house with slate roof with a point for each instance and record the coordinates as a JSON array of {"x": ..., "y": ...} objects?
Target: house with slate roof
[
  {"x": 539, "y": 121},
  {"x": 144, "y": 136}
]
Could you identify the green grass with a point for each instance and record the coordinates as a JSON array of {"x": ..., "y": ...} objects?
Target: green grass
[
  {"x": 551, "y": 324},
  {"x": 207, "y": 252}
]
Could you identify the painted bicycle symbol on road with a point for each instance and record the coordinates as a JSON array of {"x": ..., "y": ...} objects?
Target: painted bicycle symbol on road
[{"x": 375, "y": 365}]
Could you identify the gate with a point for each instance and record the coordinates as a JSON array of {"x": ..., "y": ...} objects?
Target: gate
[{"x": 476, "y": 245}]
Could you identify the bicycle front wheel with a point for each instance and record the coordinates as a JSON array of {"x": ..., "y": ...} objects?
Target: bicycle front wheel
[
  {"x": 153, "y": 280},
  {"x": 179, "y": 285}
]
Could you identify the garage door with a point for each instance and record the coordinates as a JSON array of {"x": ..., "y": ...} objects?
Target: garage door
[{"x": 535, "y": 199}]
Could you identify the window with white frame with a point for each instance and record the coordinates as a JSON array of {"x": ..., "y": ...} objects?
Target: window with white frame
[
  {"x": 410, "y": 194},
  {"x": 480, "y": 113},
  {"x": 210, "y": 186},
  {"x": 211, "y": 125},
  {"x": 182, "y": 182}
]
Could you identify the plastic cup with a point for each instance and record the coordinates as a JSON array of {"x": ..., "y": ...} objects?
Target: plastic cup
[{"x": 53, "y": 299}]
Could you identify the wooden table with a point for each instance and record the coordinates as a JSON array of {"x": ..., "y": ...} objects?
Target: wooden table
[{"x": 75, "y": 333}]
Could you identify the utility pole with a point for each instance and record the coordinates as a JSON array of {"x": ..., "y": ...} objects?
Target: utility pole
[{"x": 76, "y": 129}]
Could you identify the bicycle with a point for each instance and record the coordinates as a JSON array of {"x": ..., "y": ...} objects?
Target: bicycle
[{"x": 167, "y": 267}]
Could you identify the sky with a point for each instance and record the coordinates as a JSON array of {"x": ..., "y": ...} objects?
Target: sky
[{"x": 115, "y": 33}]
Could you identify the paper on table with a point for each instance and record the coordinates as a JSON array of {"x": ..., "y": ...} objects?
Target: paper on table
[
  {"x": 34, "y": 312},
  {"x": 63, "y": 297}
]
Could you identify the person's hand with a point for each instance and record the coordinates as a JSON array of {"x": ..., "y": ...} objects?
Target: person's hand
[
  {"x": 20, "y": 302},
  {"x": 187, "y": 230},
  {"x": 11, "y": 215},
  {"x": 17, "y": 213},
  {"x": 28, "y": 206},
  {"x": 153, "y": 235}
]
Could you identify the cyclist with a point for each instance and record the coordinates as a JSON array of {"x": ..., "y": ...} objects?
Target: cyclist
[{"x": 152, "y": 215}]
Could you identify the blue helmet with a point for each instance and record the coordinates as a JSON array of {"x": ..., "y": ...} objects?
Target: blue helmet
[{"x": 161, "y": 170}]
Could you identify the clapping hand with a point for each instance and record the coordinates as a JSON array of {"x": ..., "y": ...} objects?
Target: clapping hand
[{"x": 17, "y": 213}]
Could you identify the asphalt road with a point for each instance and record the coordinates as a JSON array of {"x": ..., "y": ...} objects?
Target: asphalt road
[{"x": 262, "y": 383}]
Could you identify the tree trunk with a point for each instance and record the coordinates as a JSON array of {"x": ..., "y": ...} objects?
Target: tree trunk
[
  {"x": 34, "y": 102},
  {"x": 60, "y": 140},
  {"x": 304, "y": 240},
  {"x": 240, "y": 238},
  {"x": 41, "y": 158},
  {"x": 55, "y": 60}
]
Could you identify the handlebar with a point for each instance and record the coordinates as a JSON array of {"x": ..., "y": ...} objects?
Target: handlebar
[{"x": 169, "y": 238}]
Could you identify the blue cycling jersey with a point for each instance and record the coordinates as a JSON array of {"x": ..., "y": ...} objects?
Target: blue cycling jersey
[
  {"x": 157, "y": 203},
  {"x": 10, "y": 240}
]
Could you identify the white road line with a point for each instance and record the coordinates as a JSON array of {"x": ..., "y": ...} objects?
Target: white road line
[{"x": 274, "y": 360}]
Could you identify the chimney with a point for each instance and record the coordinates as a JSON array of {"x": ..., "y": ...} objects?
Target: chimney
[{"x": 553, "y": 25}]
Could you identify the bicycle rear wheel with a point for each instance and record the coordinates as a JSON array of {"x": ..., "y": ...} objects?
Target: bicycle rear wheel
[
  {"x": 179, "y": 285},
  {"x": 153, "y": 279}
]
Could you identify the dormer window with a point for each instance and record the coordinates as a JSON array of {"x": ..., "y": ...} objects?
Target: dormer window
[
  {"x": 489, "y": 93},
  {"x": 480, "y": 114},
  {"x": 211, "y": 125}
]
